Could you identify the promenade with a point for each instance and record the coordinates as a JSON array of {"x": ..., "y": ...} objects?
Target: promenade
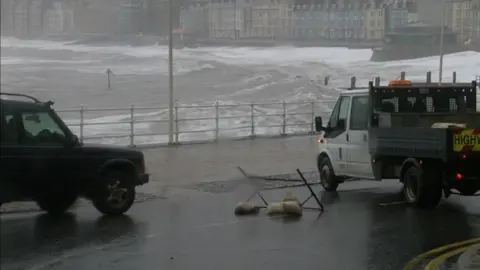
[{"x": 187, "y": 165}]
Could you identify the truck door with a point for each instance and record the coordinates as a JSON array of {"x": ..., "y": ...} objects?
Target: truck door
[
  {"x": 358, "y": 155},
  {"x": 336, "y": 135}
]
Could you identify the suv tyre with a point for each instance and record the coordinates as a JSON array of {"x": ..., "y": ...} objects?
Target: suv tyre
[{"x": 115, "y": 193}]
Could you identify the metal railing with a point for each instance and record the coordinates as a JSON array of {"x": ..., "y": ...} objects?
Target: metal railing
[{"x": 194, "y": 123}]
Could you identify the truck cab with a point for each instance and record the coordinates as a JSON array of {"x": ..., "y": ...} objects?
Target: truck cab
[
  {"x": 380, "y": 132},
  {"x": 344, "y": 140}
]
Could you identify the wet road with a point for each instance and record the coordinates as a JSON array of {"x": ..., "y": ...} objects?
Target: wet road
[{"x": 356, "y": 232}]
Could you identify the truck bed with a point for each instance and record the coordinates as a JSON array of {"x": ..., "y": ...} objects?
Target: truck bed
[
  {"x": 412, "y": 135},
  {"x": 409, "y": 142}
]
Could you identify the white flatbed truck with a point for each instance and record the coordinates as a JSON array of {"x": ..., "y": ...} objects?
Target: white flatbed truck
[{"x": 425, "y": 135}]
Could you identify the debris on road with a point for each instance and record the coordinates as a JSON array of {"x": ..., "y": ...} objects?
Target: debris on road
[{"x": 289, "y": 206}]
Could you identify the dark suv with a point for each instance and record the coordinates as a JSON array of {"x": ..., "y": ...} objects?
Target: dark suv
[{"x": 42, "y": 160}]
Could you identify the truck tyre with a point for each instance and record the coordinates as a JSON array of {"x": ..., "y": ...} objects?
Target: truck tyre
[
  {"x": 57, "y": 203},
  {"x": 115, "y": 193},
  {"x": 421, "y": 188},
  {"x": 328, "y": 179}
]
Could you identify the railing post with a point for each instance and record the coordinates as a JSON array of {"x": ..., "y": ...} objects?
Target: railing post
[
  {"x": 284, "y": 118},
  {"x": 252, "y": 119},
  {"x": 312, "y": 128},
  {"x": 217, "y": 121},
  {"x": 377, "y": 81},
  {"x": 429, "y": 77},
  {"x": 82, "y": 121},
  {"x": 454, "y": 77},
  {"x": 402, "y": 75},
  {"x": 177, "y": 131},
  {"x": 132, "y": 125}
]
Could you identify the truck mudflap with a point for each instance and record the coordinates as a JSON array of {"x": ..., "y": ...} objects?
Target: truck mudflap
[{"x": 466, "y": 140}]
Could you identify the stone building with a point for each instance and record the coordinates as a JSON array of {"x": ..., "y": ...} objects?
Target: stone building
[
  {"x": 31, "y": 18},
  {"x": 374, "y": 20},
  {"x": 339, "y": 20}
]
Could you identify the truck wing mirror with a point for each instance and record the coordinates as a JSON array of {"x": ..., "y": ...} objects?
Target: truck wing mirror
[
  {"x": 341, "y": 124},
  {"x": 374, "y": 121},
  {"x": 319, "y": 124}
]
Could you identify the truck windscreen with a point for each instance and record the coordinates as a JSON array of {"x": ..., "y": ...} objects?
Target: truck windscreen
[{"x": 419, "y": 104}]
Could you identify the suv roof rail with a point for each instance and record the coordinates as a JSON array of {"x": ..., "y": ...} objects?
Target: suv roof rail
[{"x": 21, "y": 95}]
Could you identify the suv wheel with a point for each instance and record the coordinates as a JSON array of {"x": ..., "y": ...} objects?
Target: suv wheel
[
  {"x": 57, "y": 203},
  {"x": 115, "y": 194},
  {"x": 328, "y": 179}
]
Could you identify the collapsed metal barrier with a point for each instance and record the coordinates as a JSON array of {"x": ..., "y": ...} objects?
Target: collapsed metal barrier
[{"x": 253, "y": 179}]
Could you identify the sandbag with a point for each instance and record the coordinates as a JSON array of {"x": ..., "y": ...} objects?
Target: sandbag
[
  {"x": 275, "y": 208},
  {"x": 289, "y": 197},
  {"x": 245, "y": 208},
  {"x": 292, "y": 208}
]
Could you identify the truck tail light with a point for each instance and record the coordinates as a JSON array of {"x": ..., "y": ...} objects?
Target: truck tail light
[{"x": 458, "y": 176}]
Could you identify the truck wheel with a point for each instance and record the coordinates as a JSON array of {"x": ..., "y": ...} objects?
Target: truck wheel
[
  {"x": 57, "y": 203},
  {"x": 328, "y": 179},
  {"x": 421, "y": 189},
  {"x": 115, "y": 193}
]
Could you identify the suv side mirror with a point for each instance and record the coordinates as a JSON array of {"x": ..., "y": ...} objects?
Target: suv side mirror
[{"x": 319, "y": 124}]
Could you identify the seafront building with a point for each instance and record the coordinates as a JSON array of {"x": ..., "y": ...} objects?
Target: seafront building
[
  {"x": 334, "y": 21},
  {"x": 345, "y": 21}
]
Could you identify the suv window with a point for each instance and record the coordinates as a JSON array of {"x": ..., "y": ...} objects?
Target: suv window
[
  {"x": 9, "y": 129},
  {"x": 359, "y": 113},
  {"x": 340, "y": 112},
  {"x": 41, "y": 128}
]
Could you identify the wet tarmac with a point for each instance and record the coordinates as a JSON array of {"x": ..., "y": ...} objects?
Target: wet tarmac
[{"x": 358, "y": 230}]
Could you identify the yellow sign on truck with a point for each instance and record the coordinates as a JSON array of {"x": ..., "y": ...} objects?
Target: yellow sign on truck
[{"x": 466, "y": 140}]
